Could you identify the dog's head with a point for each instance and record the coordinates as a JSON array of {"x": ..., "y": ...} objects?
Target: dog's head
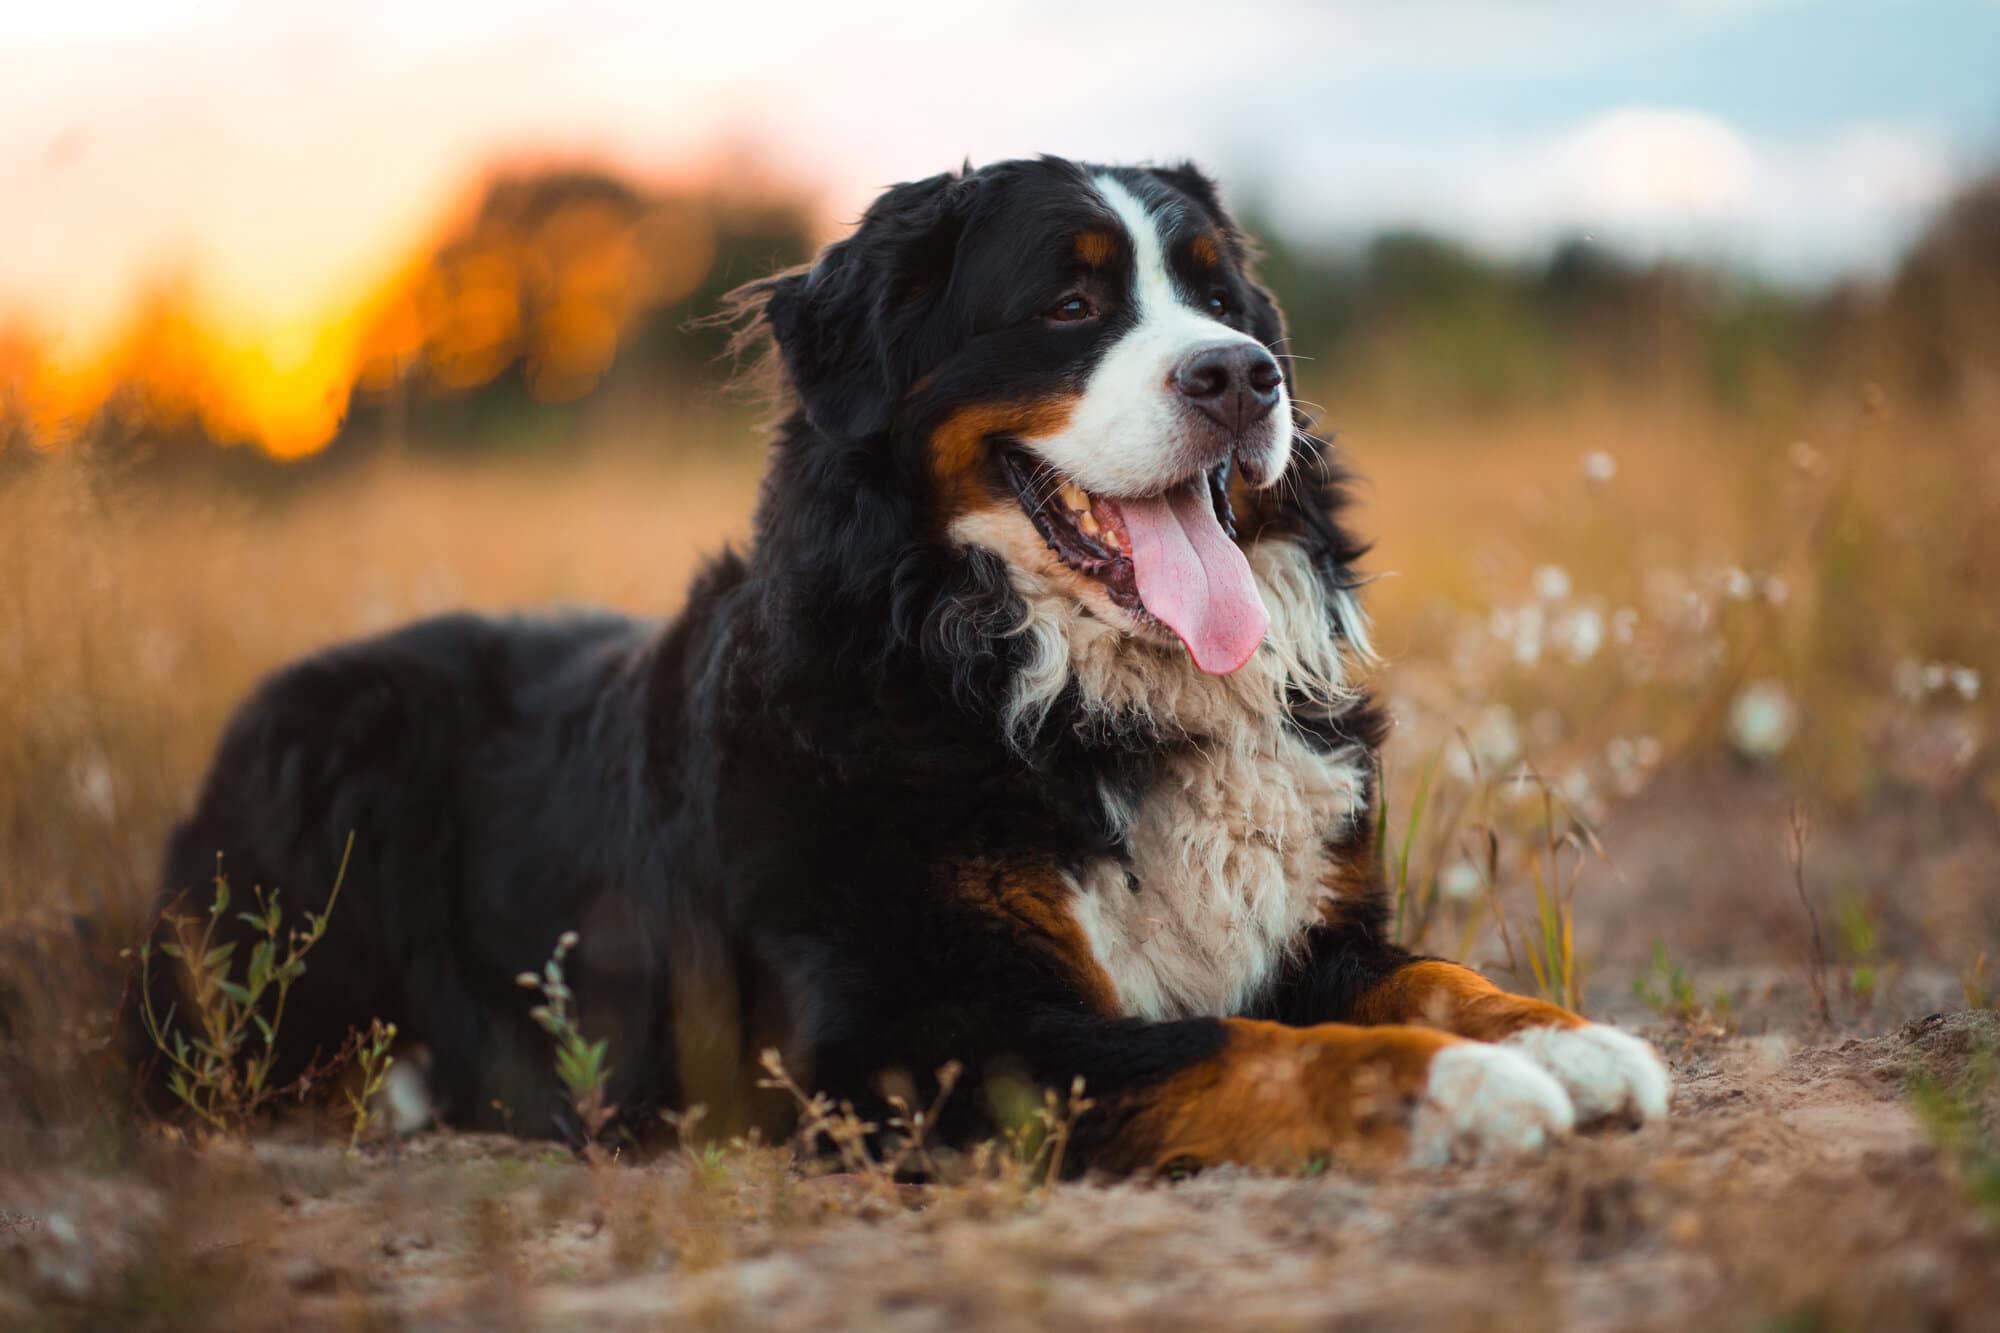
[{"x": 1074, "y": 368}]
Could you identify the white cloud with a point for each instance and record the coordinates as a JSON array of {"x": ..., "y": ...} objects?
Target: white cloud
[
  {"x": 1654, "y": 181},
  {"x": 1637, "y": 166},
  {"x": 1522, "y": 36}
]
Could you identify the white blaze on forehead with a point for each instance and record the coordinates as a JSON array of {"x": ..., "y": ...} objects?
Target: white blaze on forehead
[
  {"x": 1125, "y": 435},
  {"x": 1153, "y": 288}
]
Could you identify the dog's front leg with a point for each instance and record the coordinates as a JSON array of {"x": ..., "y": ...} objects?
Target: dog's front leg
[
  {"x": 1608, "y": 1074},
  {"x": 1270, "y": 1095}
]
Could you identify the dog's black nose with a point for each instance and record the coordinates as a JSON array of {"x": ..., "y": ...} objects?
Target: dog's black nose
[{"x": 1234, "y": 384}]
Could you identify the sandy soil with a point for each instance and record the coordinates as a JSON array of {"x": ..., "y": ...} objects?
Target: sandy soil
[{"x": 1793, "y": 1186}]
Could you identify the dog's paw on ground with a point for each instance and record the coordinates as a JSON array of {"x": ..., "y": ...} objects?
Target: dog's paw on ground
[
  {"x": 1486, "y": 1102},
  {"x": 1608, "y": 1074}
]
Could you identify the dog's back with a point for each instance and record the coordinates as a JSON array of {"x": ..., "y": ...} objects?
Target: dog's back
[{"x": 447, "y": 750}]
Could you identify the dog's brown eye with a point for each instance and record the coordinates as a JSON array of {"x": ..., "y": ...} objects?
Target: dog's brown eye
[
  {"x": 1218, "y": 303},
  {"x": 1070, "y": 309}
]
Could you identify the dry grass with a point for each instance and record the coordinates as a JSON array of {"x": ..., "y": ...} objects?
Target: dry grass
[
  {"x": 1795, "y": 605},
  {"x": 1617, "y": 687},
  {"x": 134, "y": 616}
]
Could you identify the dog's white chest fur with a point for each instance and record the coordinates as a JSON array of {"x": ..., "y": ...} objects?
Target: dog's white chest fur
[
  {"x": 1227, "y": 847},
  {"x": 1227, "y": 869}
]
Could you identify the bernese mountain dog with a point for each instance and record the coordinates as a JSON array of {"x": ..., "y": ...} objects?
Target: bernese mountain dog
[{"x": 1026, "y": 734}]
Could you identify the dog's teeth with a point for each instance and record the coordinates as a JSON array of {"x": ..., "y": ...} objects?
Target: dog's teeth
[
  {"x": 1073, "y": 497},
  {"x": 1089, "y": 524}
]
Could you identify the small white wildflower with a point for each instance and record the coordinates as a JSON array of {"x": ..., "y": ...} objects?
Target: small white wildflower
[
  {"x": 1460, "y": 881},
  {"x": 527, "y": 980},
  {"x": 1582, "y": 633},
  {"x": 1762, "y": 720},
  {"x": 1738, "y": 584},
  {"x": 1528, "y": 636},
  {"x": 1577, "y": 787},
  {"x": 1458, "y": 764},
  {"x": 1552, "y": 583},
  {"x": 1966, "y": 681},
  {"x": 1496, "y": 738},
  {"x": 1776, "y": 591},
  {"x": 1628, "y": 769},
  {"x": 96, "y": 787},
  {"x": 1647, "y": 751},
  {"x": 1599, "y": 466},
  {"x": 1696, "y": 611},
  {"x": 1806, "y": 458},
  {"x": 567, "y": 939},
  {"x": 1935, "y": 675}
]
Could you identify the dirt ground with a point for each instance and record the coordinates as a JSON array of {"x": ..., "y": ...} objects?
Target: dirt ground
[{"x": 1792, "y": 1187}]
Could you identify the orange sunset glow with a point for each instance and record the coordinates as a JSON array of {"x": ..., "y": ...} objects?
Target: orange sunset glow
[
  {"x": 284, "y": 388},
  {"x": 545, "y": 271}
]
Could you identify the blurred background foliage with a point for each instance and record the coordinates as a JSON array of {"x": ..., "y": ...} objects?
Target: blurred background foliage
[
  {"x": 559, "y": 297},
  {"x": 564, "y": 297}
]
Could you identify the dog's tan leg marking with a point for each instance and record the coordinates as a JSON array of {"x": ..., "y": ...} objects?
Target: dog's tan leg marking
[
  {"x": 1281, "y": 1097},
  {"x": 1607, "y": 1073}
]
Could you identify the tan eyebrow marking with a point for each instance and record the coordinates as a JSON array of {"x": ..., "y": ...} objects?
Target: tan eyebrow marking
[
  {"x": 1093, "y": 248},
  {"x": 1204, "y": 250}
]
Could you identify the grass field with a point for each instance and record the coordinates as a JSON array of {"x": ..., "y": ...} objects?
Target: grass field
[{"x": 1678, "y": 694}]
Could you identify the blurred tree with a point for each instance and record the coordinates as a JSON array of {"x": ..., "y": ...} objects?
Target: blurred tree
[
  {"x": 1943, "y": 312},
  {"x": 559, "y": 287},
  {"x": 566, "y": 293}
]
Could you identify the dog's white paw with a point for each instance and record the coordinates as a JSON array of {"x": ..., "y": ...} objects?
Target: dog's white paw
[
  {"x": 1484, "y": 1102},
  {"x": 1607, "y": 1073}
]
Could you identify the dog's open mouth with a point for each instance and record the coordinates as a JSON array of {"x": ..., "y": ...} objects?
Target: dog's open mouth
[{"x": 1168, "y": 559}]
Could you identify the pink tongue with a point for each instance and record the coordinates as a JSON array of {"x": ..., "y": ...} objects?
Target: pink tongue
[{"x": 1193, "y": 578}]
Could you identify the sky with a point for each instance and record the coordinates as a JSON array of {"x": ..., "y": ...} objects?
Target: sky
[{"x": 280, "y": 155}]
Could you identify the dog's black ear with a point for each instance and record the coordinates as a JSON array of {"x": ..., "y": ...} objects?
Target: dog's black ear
[
  {"x": 1193, "y": 182},
  {"x": 858, "y": 327}
]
